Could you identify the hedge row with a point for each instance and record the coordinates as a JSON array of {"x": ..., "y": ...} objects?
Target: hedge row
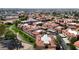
[{"x": 25, "y": 36}]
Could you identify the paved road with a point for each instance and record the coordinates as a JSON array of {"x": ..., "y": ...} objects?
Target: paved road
[
  {"x": 26, "y": 45},
  {"x": 2, "y": 47}
]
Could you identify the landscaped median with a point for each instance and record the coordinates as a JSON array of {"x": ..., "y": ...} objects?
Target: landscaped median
[{"x": 24, "y": 35}]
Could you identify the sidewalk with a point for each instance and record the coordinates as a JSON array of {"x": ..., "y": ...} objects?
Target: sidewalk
[{"x": 26, "y": 46}]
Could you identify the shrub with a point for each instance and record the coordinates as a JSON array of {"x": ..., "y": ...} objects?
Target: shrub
[
  {"x": 73, "y": 39},
  {"x": 72, "y": 47},
  {"x": 10, "y": 35}
]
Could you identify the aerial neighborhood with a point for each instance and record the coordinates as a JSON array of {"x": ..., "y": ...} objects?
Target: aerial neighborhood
[{"x": 39, "y": 29}]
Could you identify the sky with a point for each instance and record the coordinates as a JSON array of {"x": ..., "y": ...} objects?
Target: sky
[{"x": 39, "y": 4}]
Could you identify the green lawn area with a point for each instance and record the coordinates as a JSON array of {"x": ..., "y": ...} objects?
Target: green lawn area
[{"x": 24, "y": 35}]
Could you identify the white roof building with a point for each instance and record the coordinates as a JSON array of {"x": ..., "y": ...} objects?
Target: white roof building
[
  {"x": 72, "y": 31},
  {"x": 46, "y": 39}
]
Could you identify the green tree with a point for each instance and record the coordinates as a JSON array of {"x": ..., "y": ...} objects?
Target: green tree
[
  {"x": 17, "y": 22},
  {"x": 23, "y": 17},
  {"x": 54, "y": 13},
  {"x": 72, "y": 47},
  {"x": 2, "y": 29},
  {"x": 10, "y": 35},
  {"x": 1, "y": 18},
  {"x": 65, "y": 16},
  {"x": 73, "y": 39}
]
